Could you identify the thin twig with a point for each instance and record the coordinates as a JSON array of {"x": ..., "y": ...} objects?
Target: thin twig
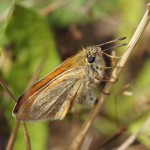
[
  {"x": 83, "y": 131},
  {"x": 7, "y": 90},
  {"x": 133, "y": 137},
  {"x": 12, "y": 137},
  {"x": 26, "y": 136}
]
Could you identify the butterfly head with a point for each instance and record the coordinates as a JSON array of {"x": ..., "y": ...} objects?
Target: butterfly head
[{"x": 95, "y": 61}]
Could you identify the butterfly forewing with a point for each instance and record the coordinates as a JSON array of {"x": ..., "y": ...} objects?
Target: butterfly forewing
[
  {"x": 54, "y": 95},
  {"x": 53, "y": 100}
]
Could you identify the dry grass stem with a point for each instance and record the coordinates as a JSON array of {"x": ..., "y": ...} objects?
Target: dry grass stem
[
  {"x": 133, "y": 137},
  {"x": 26, "y": 136},
  {"x": 7, "y": 90},
  {"x": 12, "y": 137},
  {"x": 121, "y": 63},
  {"x": 14, "y": 132}
]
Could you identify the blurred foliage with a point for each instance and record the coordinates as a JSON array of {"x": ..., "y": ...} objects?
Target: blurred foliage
[{"x": 29, "y": 39}]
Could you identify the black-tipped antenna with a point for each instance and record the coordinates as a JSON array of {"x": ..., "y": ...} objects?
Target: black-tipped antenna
[
  {"x": 114, "y": 47},
  {"x": 113, "y": 41}
]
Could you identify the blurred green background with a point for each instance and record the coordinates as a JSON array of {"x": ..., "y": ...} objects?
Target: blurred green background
[{"x": 46, "y": 32}]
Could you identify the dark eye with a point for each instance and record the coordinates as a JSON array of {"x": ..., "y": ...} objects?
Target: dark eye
[{"x": 91, "y": 59}]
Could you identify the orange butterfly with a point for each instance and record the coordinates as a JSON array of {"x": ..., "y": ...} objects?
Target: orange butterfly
[{"x": 73, "y": 81}]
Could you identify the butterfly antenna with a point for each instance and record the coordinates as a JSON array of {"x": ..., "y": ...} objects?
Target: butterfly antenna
[
  {"x": 113, "y": 41},
  {"x": 114, "y": 47}
]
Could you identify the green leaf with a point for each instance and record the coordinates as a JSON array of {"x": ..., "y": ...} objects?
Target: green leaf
[{"x": 28, "y": 40}]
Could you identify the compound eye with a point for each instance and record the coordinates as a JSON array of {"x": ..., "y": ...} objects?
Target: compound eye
[{"x": 91, "y": 59}]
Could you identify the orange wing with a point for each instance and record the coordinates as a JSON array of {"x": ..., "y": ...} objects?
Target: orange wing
[
  {"x": 70, "y": 63},
  {"x": 48, "y": 83},
  {"x": 54, "y": 99}
]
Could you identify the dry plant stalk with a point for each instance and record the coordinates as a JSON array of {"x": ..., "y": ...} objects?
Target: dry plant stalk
[
  {"x": 121, "y": 63},
  {"x": 14, "y": 132},
  {"x": 12, "y": 137},
  {"x": 133, "y": 137},
  {"x": 26, "y": 136}
]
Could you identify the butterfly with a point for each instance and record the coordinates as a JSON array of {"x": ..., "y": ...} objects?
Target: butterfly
[{"x": 72, "y": 82}]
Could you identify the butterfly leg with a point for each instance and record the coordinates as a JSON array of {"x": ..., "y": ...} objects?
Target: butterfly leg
[{"x": 88, "y": 98}]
